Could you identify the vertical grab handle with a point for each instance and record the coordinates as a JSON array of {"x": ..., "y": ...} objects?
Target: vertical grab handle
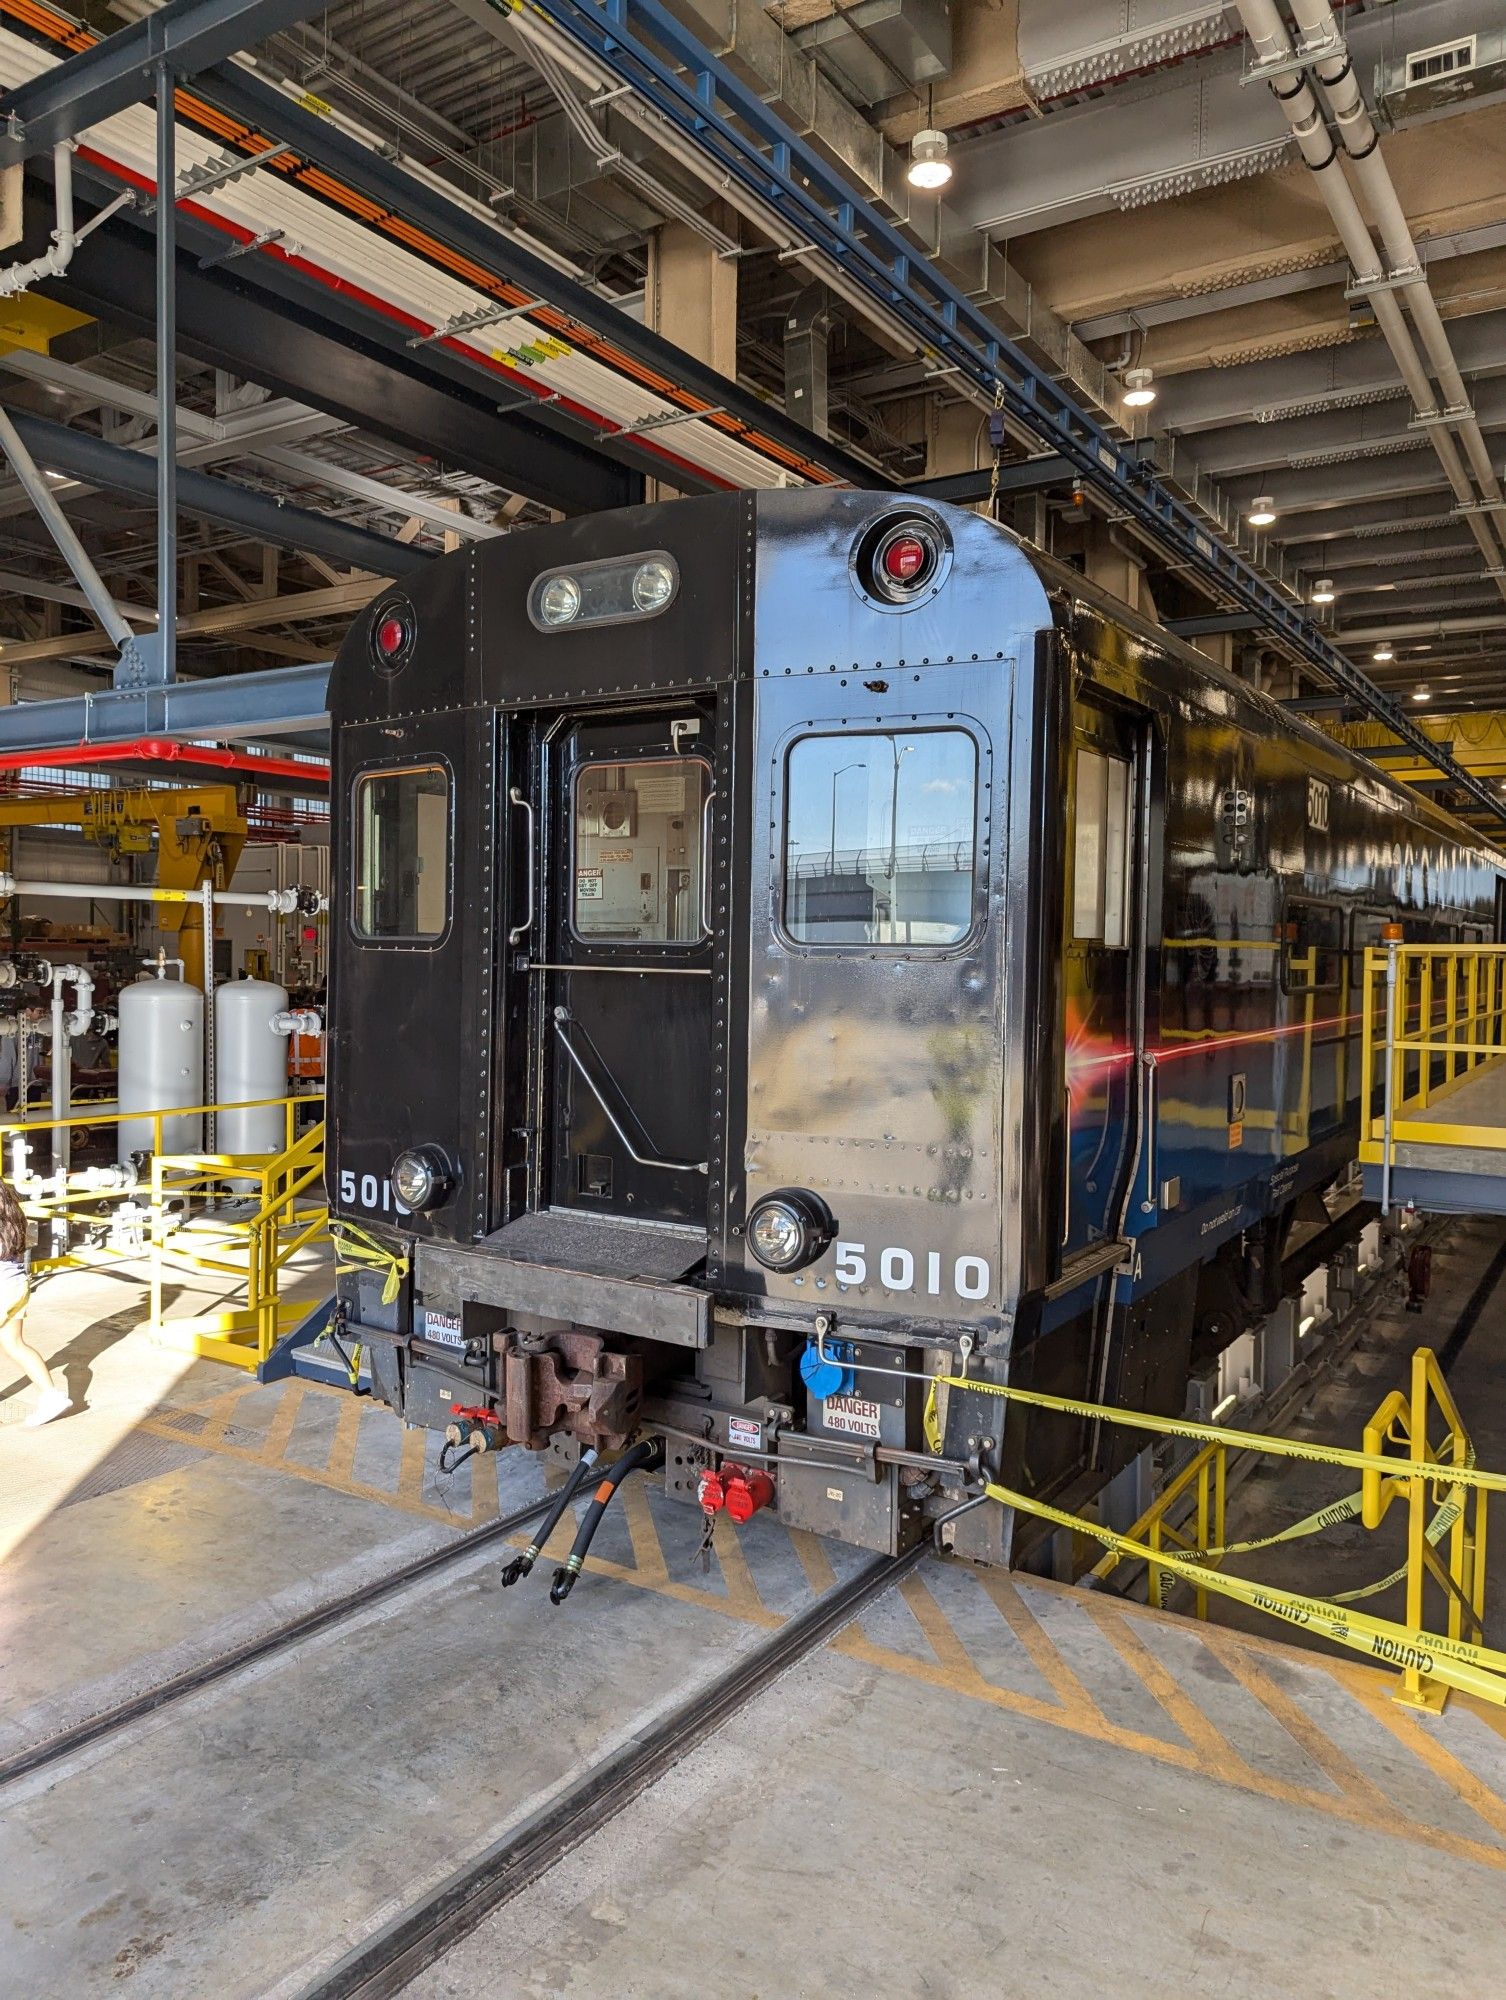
[
  {"x": 516, "y": 798},
  {"x": 706, "y": 805},
  {"x": 1066, "y": 1165}
]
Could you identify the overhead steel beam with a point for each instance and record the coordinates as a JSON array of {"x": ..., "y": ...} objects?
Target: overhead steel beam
[
  {"x": 186, "y": 35},
  {"x": 118, "y": 470},
  {"x": 1213, "y": 623},
  {"x": 1295, "y": 385},
  {"x": 1244, "y": 450},
  {"x": 645, "y": 48},
  {"x": 1030, "y": 475},
  {"x": 230, "y": 708},
  {"x": 268, "y": 110},
  {"x": 308, "y": 342}
]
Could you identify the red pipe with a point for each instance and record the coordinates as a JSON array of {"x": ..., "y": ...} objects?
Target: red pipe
[{"x": 162, "y": 749}]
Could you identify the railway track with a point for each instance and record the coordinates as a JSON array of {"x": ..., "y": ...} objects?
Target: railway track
[
  {"x": 94, "y": 1728},
  {"x": 384, "y": 1963}
]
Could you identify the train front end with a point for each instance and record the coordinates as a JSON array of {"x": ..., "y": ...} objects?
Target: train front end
[{"x": 695, "y": 906}]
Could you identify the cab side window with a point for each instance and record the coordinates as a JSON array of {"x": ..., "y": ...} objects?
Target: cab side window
[{"x": 402, "y": 854}]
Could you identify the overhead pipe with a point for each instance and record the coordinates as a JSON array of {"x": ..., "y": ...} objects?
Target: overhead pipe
[
  {"x": 1362, "y": 151},
  {"x": 154, "y": 749},
  {"x": 54, "y": 262},
  {"x": 1273, "y": 44}
]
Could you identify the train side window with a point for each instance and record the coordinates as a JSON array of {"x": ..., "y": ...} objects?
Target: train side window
[
  {"x": 1312, "y": 949},
  {"x": 402, "y": 854},
  {"x": 879, "y": 838},
  {"x": 1100, "y": 869},
  {"x": 638, "y": 850}
]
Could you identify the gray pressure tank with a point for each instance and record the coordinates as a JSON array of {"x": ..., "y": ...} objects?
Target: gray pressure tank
[
  {"x": 251, "y": 1062},
  {"x": 161, "y": 1061}
]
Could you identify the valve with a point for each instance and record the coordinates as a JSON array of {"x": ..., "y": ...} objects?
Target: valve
[
  {"x": 711, "y": 1492},
  {"x": 747, "y": 1492}
]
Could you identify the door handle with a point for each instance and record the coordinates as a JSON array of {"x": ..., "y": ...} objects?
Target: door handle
[{"x": 516, "y": 798}]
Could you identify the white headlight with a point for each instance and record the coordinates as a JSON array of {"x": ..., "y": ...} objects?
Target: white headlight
[
  {"x": 653, "y": 585},
  {"x": 776, "y": 1235},
  {"x": 559, "y": 600},
  {"x": 420, "y": 1178},
  {"x": 789, "y": 1229}
]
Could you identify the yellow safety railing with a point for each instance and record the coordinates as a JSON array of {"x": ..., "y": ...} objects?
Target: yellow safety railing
[
  {"x": 1404, "y": 1420},
  {"x": 1199, "y": 1525},
  {"x": 1433, "y": 1016},
  {"x": 1180, "y": 1538},
  {"x": 289, "y": 1215}
]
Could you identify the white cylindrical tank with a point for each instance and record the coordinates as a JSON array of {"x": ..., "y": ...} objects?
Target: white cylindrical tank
[
  {"x": 251, "y": 1062},
  {"x": 161, "y": 1061}
]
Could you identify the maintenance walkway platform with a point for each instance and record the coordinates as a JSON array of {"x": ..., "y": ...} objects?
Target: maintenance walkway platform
[
  {"x": 1434, "y": 1077},
  {"x": 982, "y": 1778}
]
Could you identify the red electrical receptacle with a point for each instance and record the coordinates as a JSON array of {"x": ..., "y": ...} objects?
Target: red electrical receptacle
[
  {"x": 747, "y": 1492},
  {"x": 711, "y": 1492}
]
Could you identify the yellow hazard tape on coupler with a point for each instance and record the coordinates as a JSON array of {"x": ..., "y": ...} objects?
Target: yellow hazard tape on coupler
[
  {"x": 1435, "y": 1470},
  {"x": 1477, "y": 1670}
]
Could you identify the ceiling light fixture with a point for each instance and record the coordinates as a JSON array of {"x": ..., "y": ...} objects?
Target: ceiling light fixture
[
  {"x": 1138, "y": 392},
  {"x": 929, "y": 167},
  {"x": 1422, "y": 692},
  {"x": 1382, "y": 653},
  {"x": 1263, "y": 513},
  {"x": 1323, "y": 590}
]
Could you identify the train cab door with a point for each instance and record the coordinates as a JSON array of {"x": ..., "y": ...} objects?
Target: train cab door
[
  {"x": 1101, "y": 953},
  {"x": 622, "y": 1005}
]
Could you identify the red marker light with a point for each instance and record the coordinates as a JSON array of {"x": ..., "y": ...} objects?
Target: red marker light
[
  {"x": 391, "y": 635},
  {"x": 905, "y": 557}
]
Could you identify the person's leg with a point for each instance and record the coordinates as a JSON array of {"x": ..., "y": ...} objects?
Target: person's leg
[{"x": 20, "y": 1350}]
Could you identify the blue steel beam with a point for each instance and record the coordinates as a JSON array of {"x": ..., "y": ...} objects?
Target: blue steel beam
[
  {"x": 286, "y": 701},
  {"x": 186, "y": 35},
  {"x": 703, "y": 102}
]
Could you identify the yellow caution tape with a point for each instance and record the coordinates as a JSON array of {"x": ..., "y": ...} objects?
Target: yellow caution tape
[
  {"x": 1477, "y": 1670},
  {"x": 1257, "y": 1441},
  {"x": 356, "y": 1250}
]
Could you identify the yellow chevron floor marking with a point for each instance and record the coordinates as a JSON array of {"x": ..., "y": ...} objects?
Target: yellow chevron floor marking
[{"x": 1204, "y": 1750}]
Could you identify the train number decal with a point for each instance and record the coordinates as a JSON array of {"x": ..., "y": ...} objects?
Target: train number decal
[
  {"x": 373, "y": 1192},
  {"x": 900, "y": 1270},
  {"x": 1318, "y": 796}
]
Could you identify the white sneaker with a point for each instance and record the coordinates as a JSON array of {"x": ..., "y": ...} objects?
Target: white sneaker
[{"x": 50, "y": 1404}]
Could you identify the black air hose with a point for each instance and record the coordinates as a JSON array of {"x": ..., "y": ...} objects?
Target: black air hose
[
  {"x": 650, "y": 1456},
  {"x": 518, "y": 1568}
]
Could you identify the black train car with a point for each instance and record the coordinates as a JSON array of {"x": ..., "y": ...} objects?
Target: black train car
[{"x": 785, "y": 942}]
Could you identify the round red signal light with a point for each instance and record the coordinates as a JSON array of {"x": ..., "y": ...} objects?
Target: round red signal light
[
  {"x": 391, "y": 635},
  {"x": 905, "y": 557}
]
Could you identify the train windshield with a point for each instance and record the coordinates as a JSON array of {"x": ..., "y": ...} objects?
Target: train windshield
[
  {"x": 879, "y": 838},
  {"x": 402, "y": 820}
]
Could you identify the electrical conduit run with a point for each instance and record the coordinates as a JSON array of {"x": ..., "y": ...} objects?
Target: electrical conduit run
[{"x": 1273, "y": 45}]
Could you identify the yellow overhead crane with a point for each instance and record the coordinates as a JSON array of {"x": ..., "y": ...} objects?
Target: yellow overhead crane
[
  {"x": 200, "y": 831},
  {"x": 1476, "y": 739}
]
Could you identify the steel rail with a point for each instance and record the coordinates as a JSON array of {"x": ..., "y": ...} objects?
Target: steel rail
[
  {"x": 385, "y": 1963},
  {"x": 700, "y": 98},
  {"x": 153, "y": 1699}
]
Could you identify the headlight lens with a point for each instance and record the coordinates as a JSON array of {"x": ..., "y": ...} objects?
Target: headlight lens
[
  {"x": 789, "y": 1229},
  {"x": 559, "y": 600},
  {"x": 653, "y": 585},
  {"x": 421, "y": 1178}
]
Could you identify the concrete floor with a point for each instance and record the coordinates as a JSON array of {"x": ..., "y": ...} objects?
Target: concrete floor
[{"x": 990, "y": 1785}]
